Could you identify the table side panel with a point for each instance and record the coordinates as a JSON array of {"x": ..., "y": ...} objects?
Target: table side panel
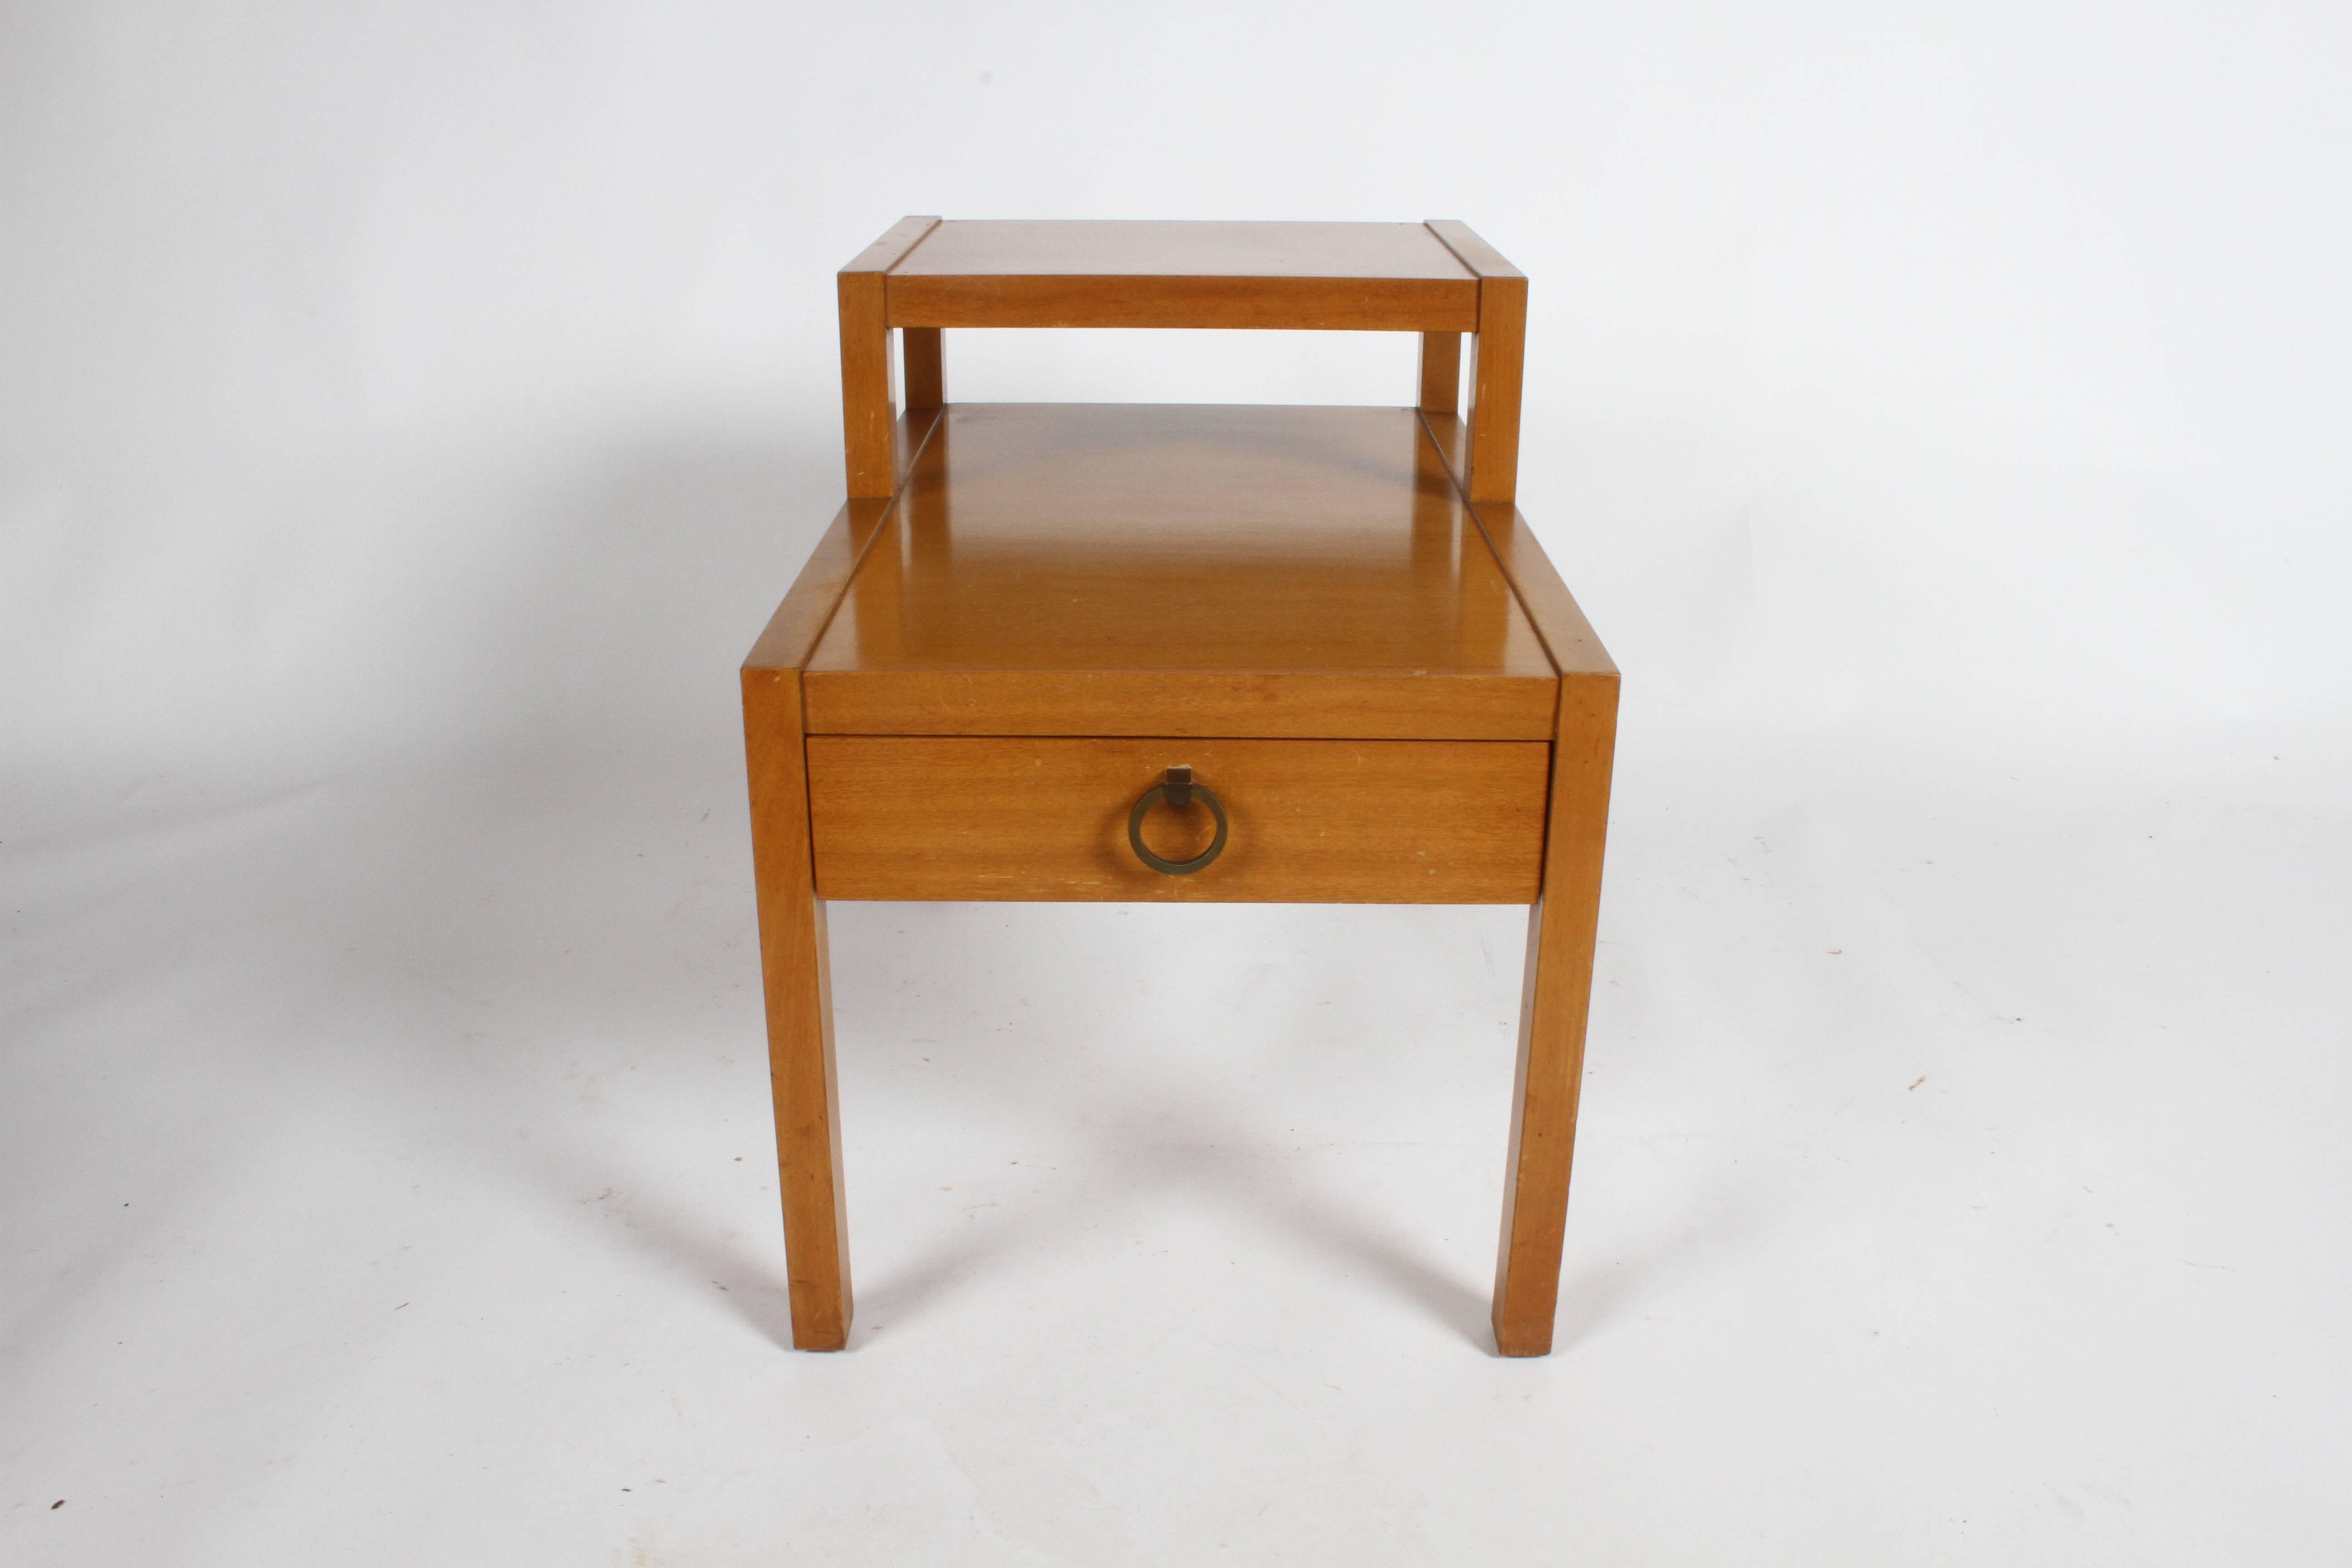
[{"x": 1311, "y": 821}]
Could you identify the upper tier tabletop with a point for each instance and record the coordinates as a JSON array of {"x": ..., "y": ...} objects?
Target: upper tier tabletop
[
  {"x": 989, "y": 248},
  {"x": 1371, "y": 276},
  {"x": 1192, "y": 570}
]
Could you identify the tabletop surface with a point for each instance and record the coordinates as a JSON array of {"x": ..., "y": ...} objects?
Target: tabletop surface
[
  {"x": 1132, "y": 536},
  {"x": 986, "y": 248}
]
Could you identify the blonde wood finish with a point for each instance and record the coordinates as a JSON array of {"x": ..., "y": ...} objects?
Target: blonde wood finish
[
  {"x": 1497, "y": 364},
  {"x": 895, "y": 244},
  {"x": 1568, "y": 637},
  {"x": 1558, "y": 994},
  {"x": 926, "y": 377},
  {"x": 1266, "y": 252},
  {"x": 1248, "y": 304},
  {"x": 869, "y": 393},
  {"x": 817, "y": 593},
  {"x": 1481, "y": 258},
  {"x": 915, "y": 428},
  {"x": 1441, "y": 373},
  {"x": 1172, "y": 703},
  {"x": 1561, "y": 929},
  {"x": 792, "y": 633},
  {"x": 1427, "y": 822},
  {"x": 1496, "y": 357},
  {"x": 793, "y": 962},
  {"x": 869, "y": 388},
  {"x": 945, "y": 705},
  {"x": 1108, "y": 568},
  {"x": 1388, "y": 277},
  {"x": 797, "y": 974}
]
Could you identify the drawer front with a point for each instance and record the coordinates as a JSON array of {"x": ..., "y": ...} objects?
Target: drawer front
[{"x": 1411, "y": 822}]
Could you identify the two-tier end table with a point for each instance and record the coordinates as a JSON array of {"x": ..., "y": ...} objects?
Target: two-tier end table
[{"x": 1123, "y": 652}]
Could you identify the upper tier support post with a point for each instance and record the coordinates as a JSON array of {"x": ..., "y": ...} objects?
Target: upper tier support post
[
  {"x": 1499, "y": 359},
  {"x": 1441, "y": 373},
  {"x": 927, "y": 386},
  {"x": 869, "y": 392}
]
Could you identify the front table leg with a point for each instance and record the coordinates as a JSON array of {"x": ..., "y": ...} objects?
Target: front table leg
[
  {"x": 800, "y": 1013},
  {"x": 1561, "y": 931}
]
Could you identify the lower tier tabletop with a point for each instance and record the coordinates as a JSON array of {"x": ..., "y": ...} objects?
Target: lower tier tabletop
[
  {"x": 970, "y": 817},
  {"x": 1106, "y": 569}
]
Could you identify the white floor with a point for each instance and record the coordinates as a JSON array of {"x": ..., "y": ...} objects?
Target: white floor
[{"x": 388, "y": 1181}]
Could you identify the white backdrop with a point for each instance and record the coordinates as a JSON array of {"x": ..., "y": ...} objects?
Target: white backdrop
[{"x": 409, "y": 415}]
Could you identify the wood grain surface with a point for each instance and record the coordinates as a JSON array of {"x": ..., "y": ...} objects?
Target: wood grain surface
[
  {"x": 1337, "y": 617},
  {"x": 796, "y": 974},
  {"x": 926, "y": 376},
  {"x": 1558, "y": 994},
  {"x": 1441, "y": 373},
  {"x": 1248, "y": 304},
  {"x": 869, "y": 398},
  {"x": 1122, "y": 569},
  {"x": 1499, "y": 355},
  {"x": 968, "y": 247},
  {"x": 1568, "y": 637},
  {"x": 1311, "y": 821},
  {"x": 795, "y": 971},
  {"x": 1392, "y": 277}
]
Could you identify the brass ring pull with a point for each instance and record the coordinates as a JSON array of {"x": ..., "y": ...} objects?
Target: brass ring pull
[{"x": 1178, "y": 790}]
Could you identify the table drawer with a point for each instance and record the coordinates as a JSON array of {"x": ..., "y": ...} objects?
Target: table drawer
[{"x": 1420, "y": 822}]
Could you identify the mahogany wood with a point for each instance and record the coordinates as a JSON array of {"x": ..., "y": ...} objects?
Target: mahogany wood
[{"x": 1424, "y": 822}]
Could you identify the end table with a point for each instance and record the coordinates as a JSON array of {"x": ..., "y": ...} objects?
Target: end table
[{"x": 1186, "y": 652}]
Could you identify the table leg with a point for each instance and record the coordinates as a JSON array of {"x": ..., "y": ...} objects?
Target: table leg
[
  {"x": 1558, "y": 992},
  {"x": 800, "y": 1013}
]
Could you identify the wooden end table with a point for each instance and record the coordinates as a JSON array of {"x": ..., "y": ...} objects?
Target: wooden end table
[{"x": 1186, "y": 652}]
